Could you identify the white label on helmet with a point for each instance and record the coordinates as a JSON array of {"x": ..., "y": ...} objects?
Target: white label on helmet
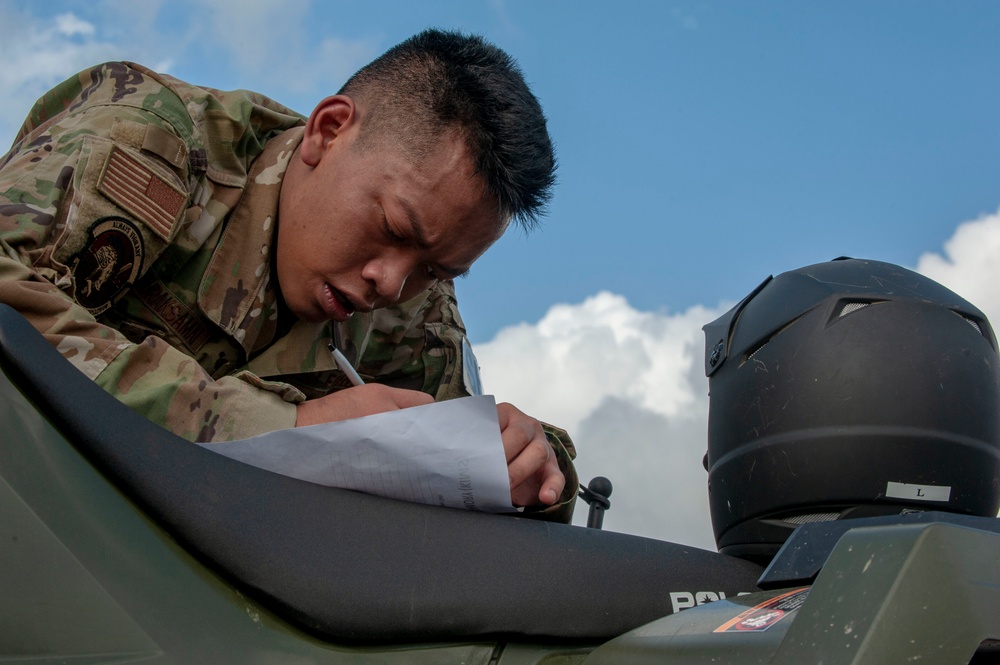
[{"x": 917, "y": 492}]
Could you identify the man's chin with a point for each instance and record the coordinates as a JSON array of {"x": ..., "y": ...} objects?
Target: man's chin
[{"x": 308, "y": 312}]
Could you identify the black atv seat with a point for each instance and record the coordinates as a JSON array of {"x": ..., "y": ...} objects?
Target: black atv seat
[{"x": 346, "y": 565}]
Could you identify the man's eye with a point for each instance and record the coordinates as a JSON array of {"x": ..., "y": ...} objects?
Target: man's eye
[{"x": 390, "y": 233}]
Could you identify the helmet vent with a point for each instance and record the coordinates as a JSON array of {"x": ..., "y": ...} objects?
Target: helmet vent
[
  {"x": 750, "y": 354},
  {"x": 972, "y": 323},
  {"x": 755, "y": 350},
  {"x": 811, "y": 517},
  {"x": 851, "y": 307}
]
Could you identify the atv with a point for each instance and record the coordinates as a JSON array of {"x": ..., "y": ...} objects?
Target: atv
[{"x": 120, "y": 543}]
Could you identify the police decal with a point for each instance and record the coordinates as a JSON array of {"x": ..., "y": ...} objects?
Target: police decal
[{"x": 110, "y": 262}]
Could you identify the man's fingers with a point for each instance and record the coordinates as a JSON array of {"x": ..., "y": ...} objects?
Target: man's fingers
[
  {"x": 545, "y": 486},
  {"x": 554, "y": 484},
  {"x": 531, "y": 463},
  {"x": 517, "y": 430},
  {"x": 529, "y": 460}
]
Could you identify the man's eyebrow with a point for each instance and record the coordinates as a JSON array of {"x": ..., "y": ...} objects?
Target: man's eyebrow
[
  {"x": 416, "y": 224},
  {"x": 417, "y": 228}
]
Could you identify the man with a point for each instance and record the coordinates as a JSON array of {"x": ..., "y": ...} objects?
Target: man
[{"x": 196, "y": 251}]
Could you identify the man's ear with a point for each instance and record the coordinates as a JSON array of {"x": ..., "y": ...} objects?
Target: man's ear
[{"x": 331, "y": 118}]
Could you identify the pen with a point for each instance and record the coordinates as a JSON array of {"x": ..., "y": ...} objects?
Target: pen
[{"x": 345, "y": 366}]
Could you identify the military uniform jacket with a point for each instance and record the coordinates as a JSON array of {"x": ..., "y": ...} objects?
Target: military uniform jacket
[{"x": 137, "y": 220}]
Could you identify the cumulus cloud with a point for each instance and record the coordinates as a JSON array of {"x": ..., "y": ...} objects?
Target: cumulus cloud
[
  {"x": 69, "y": 25},
  {"x": 601, "y": 348},
  {"x": 970, "y": 264},
  {"x": 630, "y": 387}
]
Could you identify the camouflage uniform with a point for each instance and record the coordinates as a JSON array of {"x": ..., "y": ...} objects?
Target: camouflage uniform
[{"x": 137, "y": 222}]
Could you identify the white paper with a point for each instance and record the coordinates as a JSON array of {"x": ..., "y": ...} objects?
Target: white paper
[{"x": 445, "y": 454}]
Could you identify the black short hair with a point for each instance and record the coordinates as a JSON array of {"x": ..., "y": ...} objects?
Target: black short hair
[{"x": 443, "y": 80}]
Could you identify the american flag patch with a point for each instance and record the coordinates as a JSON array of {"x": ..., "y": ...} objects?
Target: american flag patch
[{"x": 138, "y": 190}]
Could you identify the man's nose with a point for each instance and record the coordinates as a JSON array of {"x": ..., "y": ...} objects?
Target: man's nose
[{"x": 389, "y": 279}]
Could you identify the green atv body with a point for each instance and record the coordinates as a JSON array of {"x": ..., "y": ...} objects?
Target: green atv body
[{"x": 121, "y": 543}]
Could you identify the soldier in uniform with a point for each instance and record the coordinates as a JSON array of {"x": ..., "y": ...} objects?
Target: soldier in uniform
[{"x": 195, "y": 252}]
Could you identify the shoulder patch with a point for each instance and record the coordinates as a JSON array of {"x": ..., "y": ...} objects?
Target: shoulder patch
[
  {"x": 110, "y": 262},
  {"x": 135, "y": 187}
]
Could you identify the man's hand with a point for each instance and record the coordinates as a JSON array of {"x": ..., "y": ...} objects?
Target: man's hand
[
  {"x": 531, "y": 463},
  {"x": 358, "y": 401}
]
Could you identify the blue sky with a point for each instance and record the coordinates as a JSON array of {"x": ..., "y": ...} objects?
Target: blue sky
[{"x": 702, "y": 146}]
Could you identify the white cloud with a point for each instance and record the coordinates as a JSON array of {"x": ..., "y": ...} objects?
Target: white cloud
[
  {"x": 579, "y": 355},
  {"x": 69, "y": 25},
  {"x": 970, "y": 264},
  {"x": 629, "y": 387}
]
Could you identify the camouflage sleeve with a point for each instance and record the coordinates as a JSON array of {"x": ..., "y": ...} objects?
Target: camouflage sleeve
[
  {"x": 40, "y": 196},
  {"x": 153, "y": 378},
  {"x": 422, "y": 345}
]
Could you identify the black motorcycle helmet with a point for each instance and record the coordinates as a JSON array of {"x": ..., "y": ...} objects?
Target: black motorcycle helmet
[{"x": 848, "y": 389}]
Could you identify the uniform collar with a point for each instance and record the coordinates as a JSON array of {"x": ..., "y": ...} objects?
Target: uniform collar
[{"x": 239, "y": 292}]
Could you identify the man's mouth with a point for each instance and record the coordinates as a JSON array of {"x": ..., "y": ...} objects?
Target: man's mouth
[{"x": 337, "y": 305}]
